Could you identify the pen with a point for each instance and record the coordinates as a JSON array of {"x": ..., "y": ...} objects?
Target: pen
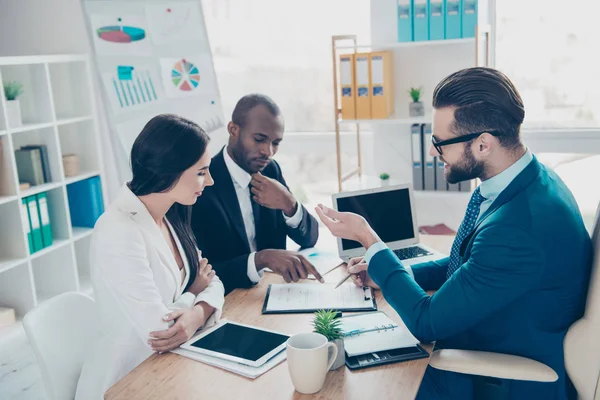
[
  {"x": 333, "y": 269},
  {"x": 342, "y": 281}
]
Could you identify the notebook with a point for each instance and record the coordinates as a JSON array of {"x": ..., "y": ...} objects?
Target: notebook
[
  {"x": 292, "y": 298},
  {"x": 374, "y": 332}
]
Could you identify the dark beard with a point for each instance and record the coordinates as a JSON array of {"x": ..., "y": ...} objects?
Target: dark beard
[{"x": 469, "y": 168}]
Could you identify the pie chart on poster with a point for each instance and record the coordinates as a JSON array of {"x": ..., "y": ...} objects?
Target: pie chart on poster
[
  {"x": 120, "y": 33},
  {"x": 185, "y": 75}
]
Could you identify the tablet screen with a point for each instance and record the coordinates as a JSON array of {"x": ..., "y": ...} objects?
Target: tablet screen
[{"x": 240, "y": 341}]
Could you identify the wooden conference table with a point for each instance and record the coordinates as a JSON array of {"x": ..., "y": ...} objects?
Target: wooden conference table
[{"x": 171, "y": 376}]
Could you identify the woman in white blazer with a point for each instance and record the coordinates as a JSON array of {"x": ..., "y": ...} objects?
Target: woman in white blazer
[{"x": 152, "y": 289}]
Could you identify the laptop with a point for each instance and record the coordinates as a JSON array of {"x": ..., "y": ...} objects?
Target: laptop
[{"x": 391, "y": 213}]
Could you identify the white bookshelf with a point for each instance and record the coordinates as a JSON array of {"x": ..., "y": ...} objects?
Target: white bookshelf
[
  {"x": 58, "y": 110},
  {"x": 415, "y": 64}
]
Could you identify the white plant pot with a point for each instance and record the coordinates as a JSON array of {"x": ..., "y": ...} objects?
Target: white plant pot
[
  {"x": 416, "y": 109},
  {"x": 13, "y": 113},
  {"x": 384, "y": 182},
  {"x": 340, "y": 361}
]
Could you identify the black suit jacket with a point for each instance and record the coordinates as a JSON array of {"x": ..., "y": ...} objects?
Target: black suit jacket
[{"x": 219, "y": 228}]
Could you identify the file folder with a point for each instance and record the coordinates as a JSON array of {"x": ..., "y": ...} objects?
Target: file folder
[
  {"x": 440, "y": 178},
  {"x": 85, "y": 202},
  {"x": 429, "y": 170},
  {"x": 453, "y": 19},
  {"x": 26, "y": 224},
  {"x": 421, "y": 20},
  {"x": 405, "y": 21},
  {"x": 469, "y": 18},
  {"x": 34, "y": 220},
  {"x": 44, "y": 216},
  {"x": 436, "y": 20},
  {"x": 382, "y": 94},
  {"x": 453, "y": 187},
  {"x": 417, "y": 156},
  {"x": 44, "y": 159},
  {"x": 363, "y": 86},
  {"x": 467, "y": 186},
  {"x": 347, "y": 86}
]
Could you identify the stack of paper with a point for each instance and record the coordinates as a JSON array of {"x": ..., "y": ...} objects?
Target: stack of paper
[{"x": 373, "y": 332}]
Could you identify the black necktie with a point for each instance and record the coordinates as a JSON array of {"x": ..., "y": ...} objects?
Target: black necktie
[{"x": 256, "y": 213}]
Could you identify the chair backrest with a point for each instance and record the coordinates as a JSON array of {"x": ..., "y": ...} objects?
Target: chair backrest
[
  {"x": 61, "y": 330},
  {"x": 582, "y": 342}
]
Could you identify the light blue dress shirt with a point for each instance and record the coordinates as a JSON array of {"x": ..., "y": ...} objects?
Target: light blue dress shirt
[{"x": 490, "y": 189}]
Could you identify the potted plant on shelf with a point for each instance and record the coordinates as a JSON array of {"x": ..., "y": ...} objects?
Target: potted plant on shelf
[
  {"x": 12, "y": 90},
  {"x": 385, "y": 178},
  {"x": 328, "y": 325},
  {"x": 416, "y": 109}
]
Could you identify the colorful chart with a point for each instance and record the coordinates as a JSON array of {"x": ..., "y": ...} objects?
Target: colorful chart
[
  {"x": 120, "y": 33},
  {"x": 132, "y": 87},
  {"x": 185, "y": 76}
]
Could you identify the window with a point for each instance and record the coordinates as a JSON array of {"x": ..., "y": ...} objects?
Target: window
[{"x": 547, "y": 49}]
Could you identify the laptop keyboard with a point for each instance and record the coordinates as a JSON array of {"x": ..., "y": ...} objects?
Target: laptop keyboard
[{"x": 411, "y": 252}]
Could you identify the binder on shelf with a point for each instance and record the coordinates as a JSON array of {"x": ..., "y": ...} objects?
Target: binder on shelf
[
  {"x": 347, "y": 86},
  {"x": 469, "y": 18},
  {"x": 85, "y": 202},
  {"x": 363, "y": 86},
  {"x": 436, "y": 20},
  {"x": 467, "y": 186},
  {"x": 429, "y": 167},
  {"x": 453, "y": 19},
  {"x": 405, "y": 21},
  {"x": 417, "y": 156},
  {"x": 29, "y": 166},
  {"x": 26, "y": 224},
  {"x": 453, "y": 187},
  {"x": 421, "y": 20},
  {"x": 440, "y": 179},
  {"x": 34, "y": 220},
  {"x": 44, "y": 157},
  {"x": 44, "y": 216},
  {"x": 382, "y": 83}
]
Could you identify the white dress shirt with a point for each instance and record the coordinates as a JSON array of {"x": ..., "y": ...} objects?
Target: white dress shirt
[{"x": 241, "y": 180}]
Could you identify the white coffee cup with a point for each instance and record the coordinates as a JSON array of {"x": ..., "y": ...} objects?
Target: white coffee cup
[{"x": 309, "y": 359}]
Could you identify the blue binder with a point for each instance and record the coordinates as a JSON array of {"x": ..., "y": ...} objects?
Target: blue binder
[
  {"x": 453, "y": 18},
  {"x": 405, "y": 21},
  {"x": 85, "y": 202},
  {"x": 469, "y": 18},
  {"x": 421, "y": 20},
  {"x": 436, "y": 20}
]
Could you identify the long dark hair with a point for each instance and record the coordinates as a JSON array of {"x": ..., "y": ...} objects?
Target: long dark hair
[{"x": 167, "y": 146}]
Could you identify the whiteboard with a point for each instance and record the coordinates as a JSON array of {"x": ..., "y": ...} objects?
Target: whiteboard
[{"x": 153, "y": 57}]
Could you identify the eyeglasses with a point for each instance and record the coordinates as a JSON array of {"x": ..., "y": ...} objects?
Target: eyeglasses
[{"x": 464, "y": 138}]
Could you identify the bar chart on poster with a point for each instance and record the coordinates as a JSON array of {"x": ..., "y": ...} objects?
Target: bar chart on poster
[{"x": 153, "y": 57}]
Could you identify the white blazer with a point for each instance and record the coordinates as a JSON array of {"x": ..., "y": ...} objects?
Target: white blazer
[{"x": 136, "y": 282}]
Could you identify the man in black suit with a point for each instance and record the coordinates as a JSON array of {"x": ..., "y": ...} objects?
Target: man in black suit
[{"x": 242, "y": 221}]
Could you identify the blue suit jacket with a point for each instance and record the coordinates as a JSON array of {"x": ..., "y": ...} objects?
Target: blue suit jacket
[{"x": 523, "y": 281}]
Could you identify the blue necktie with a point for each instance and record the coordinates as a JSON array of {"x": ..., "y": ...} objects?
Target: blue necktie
[{"x": 465, "y": 229}]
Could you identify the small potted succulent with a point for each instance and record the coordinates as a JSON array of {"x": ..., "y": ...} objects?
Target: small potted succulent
[
  {"x": 328, "y": 325},
  {"x": 416, "y": 109},
  {"x": 385, "y": 178},
  {"x": 12, "y": 90}
]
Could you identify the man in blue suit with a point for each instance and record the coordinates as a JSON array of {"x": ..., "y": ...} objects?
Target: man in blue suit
[{"x": 519, "y": 268}]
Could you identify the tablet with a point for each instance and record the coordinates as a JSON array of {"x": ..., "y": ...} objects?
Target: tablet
[{"x": 237, "y": 342}]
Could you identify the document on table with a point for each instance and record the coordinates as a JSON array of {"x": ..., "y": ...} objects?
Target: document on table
[{"x": 310, "y": 297}]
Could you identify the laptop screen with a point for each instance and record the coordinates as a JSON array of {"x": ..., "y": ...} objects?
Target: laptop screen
[{"x": 388, "y": 213}]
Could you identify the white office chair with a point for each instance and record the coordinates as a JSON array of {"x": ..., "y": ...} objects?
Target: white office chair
[
  {"x": 61, "y": 331},
  {"x": 581, "y": 346}
]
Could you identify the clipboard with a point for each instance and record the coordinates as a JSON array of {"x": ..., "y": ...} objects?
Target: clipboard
[{"x": 369, "y": 304}]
